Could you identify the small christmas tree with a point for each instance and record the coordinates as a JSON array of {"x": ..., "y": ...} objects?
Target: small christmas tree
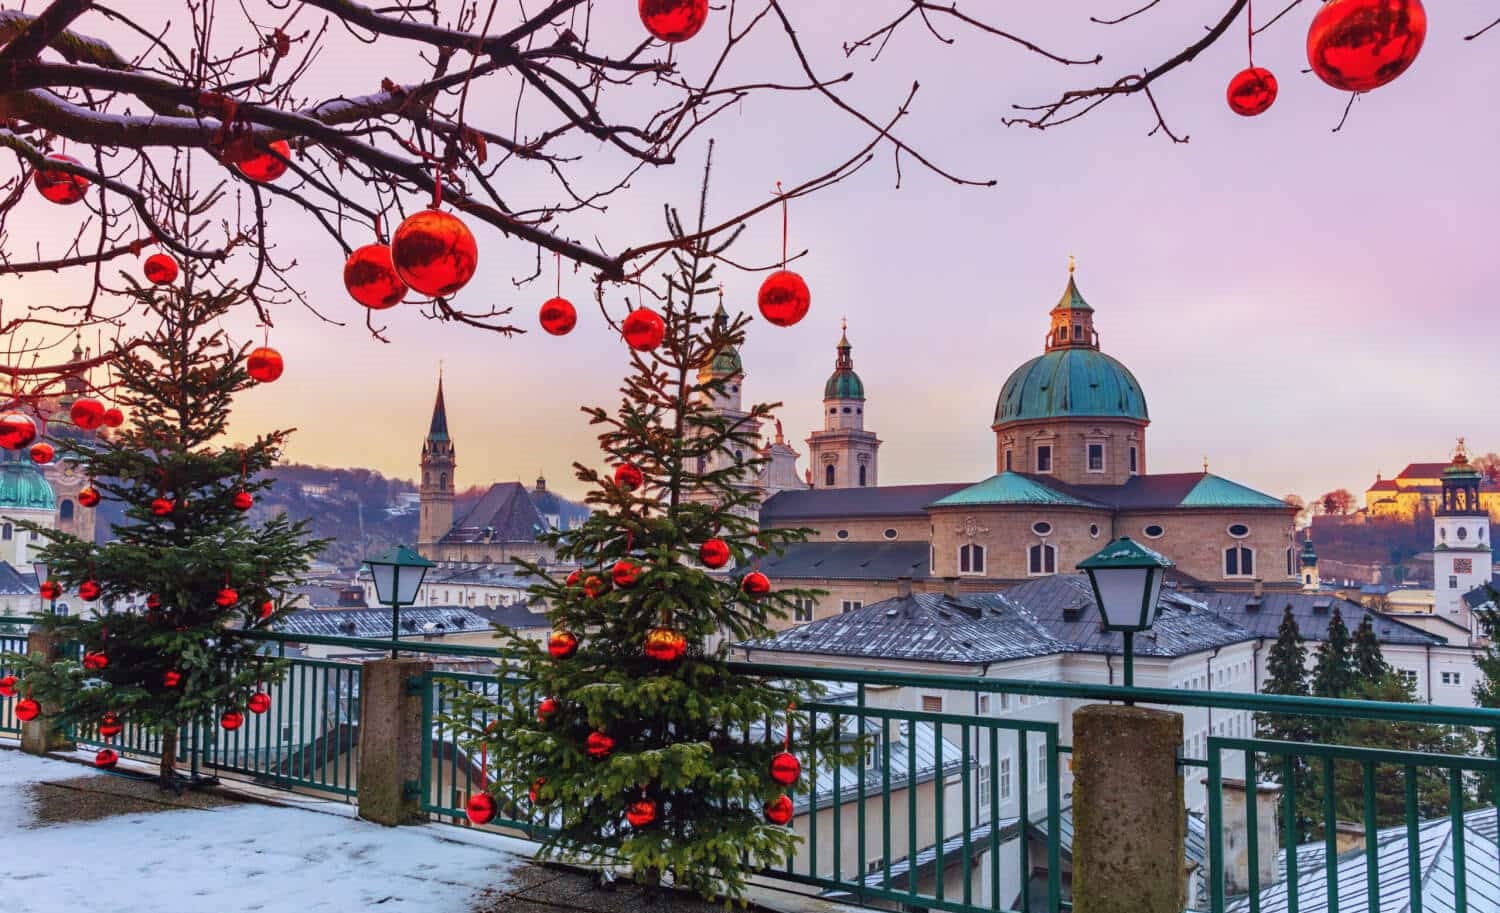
[{"x": 184, "y": 559}]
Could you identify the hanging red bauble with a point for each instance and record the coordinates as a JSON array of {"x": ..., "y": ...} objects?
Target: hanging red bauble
[
  {"x": 243, "y": 500},
  {"x": 8, "y": 686},
  {"x": 641, "y": 812},
  {"x": 625, "y": 573},
  {"x": 87, "y": 413},
  {"x": 259, "y": 702},
  {"x": 161, "y": 507},
  {"x": 547, "y": 709},
  {"x": 756, "y": 584},
  {"x": 89, "y": 496},
  {"x": 88, "y": 590},
  {"x": 265, "y": 364},
  {"x": 370, "y": 276},
  {"x": 160, "y": 269},
  {"x": 628, "y": 478},
  {"x": 779, "y": 811},
  {"x": 643, "y": 329},
  {"x": 110, "y": 726},
  {"x": 558, "y": 316},
  {"x": 94, "y": 660},
  {"x": 113, "y": 417},
  {"x": 574, "y": 577},
  {"x": 227, "y": 597},
  {"x": 562, "y": 644},
  {"x": 60, "y": 186},
  {"x": 171, "y": 678},
  {"x": 673, "y": 20},
  {"x": 42, "y": 453},
  {"x": 665, "y": 645},
  {"x": 535, "y": 793},
  {"x": 50, "y": 589},
  {"x": 784, "y": 298},
  {"x": 267, "y": 609},
  {"x": 434, "y": 253},
  {"x": 232, "y": 720},
  {"x": 17, "y": 430},
  {"x": 599, "y": 746},
  {"x": 714, "y": 553},
  {"x": 263, "y": 166},
  {"x": 785, "y": 768},
  {"x": 1359, "y": 45},
  {"x": 27, "y": 709},
  {"x": 481, "y": 808},
  {"x": 1251, "y": 91},
  {"x": 153, "y": 601},
  {"x": 594, "y": 587},
  {"x": 106, "y": 759}
]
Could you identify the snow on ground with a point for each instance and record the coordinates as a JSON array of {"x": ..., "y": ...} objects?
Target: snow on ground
[{"x": 235, "y": 859}]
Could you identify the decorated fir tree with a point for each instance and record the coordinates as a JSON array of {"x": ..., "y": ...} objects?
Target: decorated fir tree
[{"x": 185, "y": 564}]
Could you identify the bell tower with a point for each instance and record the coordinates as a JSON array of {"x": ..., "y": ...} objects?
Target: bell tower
[
  {"x": 844, "y": 454},
  {"x": 437, "y": 486},
  {"x": 1461, "y": 555}
]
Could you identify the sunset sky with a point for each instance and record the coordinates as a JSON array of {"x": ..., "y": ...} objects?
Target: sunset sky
[{"x": 1302, "y": 307}]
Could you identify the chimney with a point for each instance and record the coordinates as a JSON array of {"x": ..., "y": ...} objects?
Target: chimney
[
  {"x": 950, "y": 587},
  {"x": 903, "y": 587},
  {"x": 1260, "y": 588},
  {"x": 1236, "y": 841},
  {"x": 1349, "y": 835}
]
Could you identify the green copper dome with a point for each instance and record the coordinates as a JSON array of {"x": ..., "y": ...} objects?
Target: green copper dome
[
  {"x": 726, "y": 362},
  {"x": 844, "y": 383},
  {"x": 1071, "y": 383},
  {"x": 23, "y": 488}
]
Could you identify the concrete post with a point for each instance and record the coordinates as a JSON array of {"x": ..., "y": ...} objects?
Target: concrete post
[
  {"x": 1128, "y": 815},
  {"x": 390, "y": 741},
  {"x": 42, "y": 734},
  {"x": 1236, "y": 834}
]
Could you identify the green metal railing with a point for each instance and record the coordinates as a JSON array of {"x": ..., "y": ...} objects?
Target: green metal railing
[{"x": 12, "y": 640}]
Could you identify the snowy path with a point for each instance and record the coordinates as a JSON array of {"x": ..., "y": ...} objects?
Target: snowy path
[{"x": 233, "y": 859}]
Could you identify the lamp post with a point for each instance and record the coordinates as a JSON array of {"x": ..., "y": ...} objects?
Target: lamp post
[
  {"x": 44, "y": 574},
  {"x": 1126, "y": 577},
  {"x": 398, "y": 576}
]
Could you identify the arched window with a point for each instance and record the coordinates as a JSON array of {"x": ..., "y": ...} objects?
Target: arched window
[
  {"x": 739, "y": 456},
  {"x": 65, "y": 509},
  {"x": 1291, "y": 569},
  {"x": 442, "y": 480},
  {"x": 1239, "y": 562},
  {"x": 828, "y": 475},
  {"x": 426, "y": 478},
  {"x": 971, "y": 559},
  {"x": 6, "y": 532},
  {"x": 861, "y": 477},
  {"x": 1307, "y": 580},
  {"x": 1041, "y": 559}
]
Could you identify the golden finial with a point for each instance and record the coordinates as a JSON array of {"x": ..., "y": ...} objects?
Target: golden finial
[
  {"x": 1072, "y": 265},
  {"x": 844, "y": 324},
  {"x": 1205, "y": 464},
  {"x": 1461, "y": 455}
]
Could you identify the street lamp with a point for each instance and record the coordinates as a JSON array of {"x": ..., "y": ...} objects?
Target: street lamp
[
  {"x": 44, "y": 574},
  {"x": 394, "y": 588},
  {"x": 1126, "y": 577}
]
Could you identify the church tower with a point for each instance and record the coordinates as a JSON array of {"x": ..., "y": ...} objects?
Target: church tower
[
  {"x": 844, "y": 454},
  {"x": 729, "y": 371},
  {"x": 63, "y": 475},
  {"x": 1461, "y": 556},
  {"x": 1311, "y": 582},
  {"x": 438, "y": 462}
]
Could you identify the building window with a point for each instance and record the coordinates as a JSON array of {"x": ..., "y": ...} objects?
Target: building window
[
  {"x": 1044, "y": 458},
  {"x": 1452, "y": 583},
  {"x": 65, "y": 510},
  {"x": 6, "y": 531},
  {"x": 984, "y": 704},
  {"x": 1004, "y": 703},
  {"x": 851, "y": 605},
  {"x": 1009, "y": 462},
  {"x": 932, "y": 703},
  {"x": 1042, "y": 528},
  {"x": 1154, "y": 531},
  {"x": 1062, "y": 333},
  {"x": 971, "y": 559},
  {"x": 739, "y": 456},
  {"x": 1093, "y": 530},
  {"x": 1239, "y": 562},
  {"x": 1408, "y": 677},
  {"x": 1239, "y": 530},
  {"x": 1042, "y": 559},
  {"x": 1452, "y": 678},
  {"x": 1004, "y": 779},
  {"x": 983, "y": 791},
  {"x": 828, "y": 475},
  {"x": 1134, "y": 468},
  {"x": 889, "y": 534},
  {"x": 802, "y": 610},
  {"x": 1463, "y": 533},
  {"x": 833, "y": 411},
  {"x": 861, "y": 477},
  {"x": 1041, "y": 764},
  {"x": 847, "y": 410},
  {"x": 1096, "y": 458},
  {"x": 442, "y": 480},
  {"x": 842, "y": 534},
  {"x": 1307, "y": 580}
]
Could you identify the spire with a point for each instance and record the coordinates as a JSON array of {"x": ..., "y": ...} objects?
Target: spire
[
  {"x": 1072, "y": 318},
  {"x": 844, "y": 383},
  {"x": 439, "y": 428}
]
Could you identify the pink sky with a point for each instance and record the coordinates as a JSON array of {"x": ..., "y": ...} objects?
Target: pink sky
[{"x": 1302, "y": 307}]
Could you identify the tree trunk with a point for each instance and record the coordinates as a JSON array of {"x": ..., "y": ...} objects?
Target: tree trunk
[{"x": 168, "y": 769}]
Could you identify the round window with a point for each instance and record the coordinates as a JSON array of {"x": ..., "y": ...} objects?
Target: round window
[
  {"x": 842, "y": 534},
  {"x": 1093, "y": 530},
  {"x": 1463, "y": 533},
  {"x": 1239, "y": 530},
  {"x": 1154, "y": 531},
  {"x": 1041, "y": 528},
  {"x": 889, "y": 534}
]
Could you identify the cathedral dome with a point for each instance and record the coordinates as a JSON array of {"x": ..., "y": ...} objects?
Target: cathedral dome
[
  {"x": 23, "y": 488},
  {"x": 1071, "y": 383}
]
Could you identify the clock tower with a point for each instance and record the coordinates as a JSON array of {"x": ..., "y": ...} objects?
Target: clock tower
[{"x": 1461, "y": 540}]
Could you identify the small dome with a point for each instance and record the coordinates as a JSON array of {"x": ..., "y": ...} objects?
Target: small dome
[
  {"x": 844, "y": 383},
  {"x": 726, "y": 362},
  {"x": 23, "y": 488},
  {"x": 1071, "y": 383}
]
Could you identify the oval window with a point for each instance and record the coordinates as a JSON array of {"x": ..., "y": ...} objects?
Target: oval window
[
  {"x": 1239, "y": 530},
  {"x": 1093, "y": 530},
  {"x": 1041, "y": 528},
  {"x": 890, "y": 534},
  {"x": 1463, "y": 533},
  {"x": 1154, "y": 531},
  {"x": 842, "y": 534}
]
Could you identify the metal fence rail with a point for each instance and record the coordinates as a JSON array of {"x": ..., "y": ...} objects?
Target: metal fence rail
[{"x": 12, "y": 640}]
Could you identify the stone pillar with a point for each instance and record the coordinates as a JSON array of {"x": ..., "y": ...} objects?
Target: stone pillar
[
  {"x": 42, "y": 734},
  {"x": 1129, "y": 821},
  {"x": 390, "y": 741},
  {"x": 1236, "y": 834}
]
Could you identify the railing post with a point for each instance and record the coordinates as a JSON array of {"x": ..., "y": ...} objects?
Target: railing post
[
  {"x": 1128, "y": 812},
  {"x": 42, "y": 734},
  {"x": 390, "y": 741}
]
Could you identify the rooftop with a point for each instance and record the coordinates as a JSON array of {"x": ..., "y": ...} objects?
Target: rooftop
[
  {"x": 849, "y": 561},
  {"x": 416, "y": 621},
  {"x": 786, "y": 508}
]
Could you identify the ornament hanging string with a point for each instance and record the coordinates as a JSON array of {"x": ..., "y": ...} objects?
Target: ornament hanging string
[
  {"x": 1250, "y": 31},
  {"x": 782, "y": 195},
  {"x": 787, "y": 743},
  {"x": 437, "y": 186},
  {"x": 558, "y": 255}
]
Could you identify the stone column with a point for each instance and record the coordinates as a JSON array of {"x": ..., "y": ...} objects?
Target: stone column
[
  {"x": 42, "y": 734},
  {"x": 1129, "y": 820},
  {"x": 390, "y": 741}
]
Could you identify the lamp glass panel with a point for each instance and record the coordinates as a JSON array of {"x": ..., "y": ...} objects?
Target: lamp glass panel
[
  {"x": 1120, "y": 591},
  {"x": 385, "y": 582},
  {"x": 408, "y": 583}
]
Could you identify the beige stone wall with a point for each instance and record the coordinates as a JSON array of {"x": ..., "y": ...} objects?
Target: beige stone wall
[
  {"x": 482, "y": 552},
  {"x": 1069, "y": 439},
  {"x": 867, "y": 529},
  {"x": 1007, "y": 536},
  {"x": 1196, "y": 540}
]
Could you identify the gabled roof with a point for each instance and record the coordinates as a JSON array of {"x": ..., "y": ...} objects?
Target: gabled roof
[
  {"x": 849, "y": 561},
  {"x": 1423, "y": 471},
  {"x": 504, "y": 514},
  {"x": 1384, "y": 485},
  {"x": 1171, "y": 490},
  {"x": 1215, "y": 491},
  {"x": 1480, "y": 595},
  {"x": 1261, "y": 615},
  {"x": 785, "y": 508},
  {"x": 1011, "y": 488},
  {"x": 416, "y": 621}
]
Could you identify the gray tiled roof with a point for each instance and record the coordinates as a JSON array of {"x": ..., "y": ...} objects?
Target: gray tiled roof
[
  {"x": 510, "y": 512},
  {"x": 849, "y": 561},
  {"x": 787, "y": 507},
  {"x": 15, "y": 582},
  {"x": 416, "y": 621},
  {"x": 517, "y": 617},
  {"x": 1313, "y": 612}
]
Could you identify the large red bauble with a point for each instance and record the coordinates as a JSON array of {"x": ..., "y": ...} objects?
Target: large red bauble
[
  {"x": 265, "y": 167},
  {"x": 60, "y": 186},
  {"x": 243, "y": 500},
  {"x": 94, "y": 660},
  {"x": 27, "y": 709},
  {"x": 153, "y": 601},
  {"x": 259, "y": 702},
  {"x": 161, "y": 507},
  {"x": 481, "y": 808},
  {"x": 1359, "y": 45},
  {"x": 599, "y": 746},
  {"x": 110, "y": 726},
  {"x": 227, "y": 597},
  {"x": 50, "y": 589},
  {"x": 8, "y": 686},
  {"x": 1251, "y": 91},
  {"x": 370, "y": 276},
  {"x": 562, "y": 644},
  {"x": 267, "y": 609},
  {"x": 643, "y": 329},
  {"x": 106, "y": 759},
  {"x": 756, "y": 584},
  {"x": 17, "y": 430},
  {"x": 594, "y": 587},
  {"x": 558, "y": 316},
  {"x": 574, "y": 577},
  {"x": 547, "y": 709},
  {"x": 673, "y": 20},
  {"x": 113, "y": 417},
  {"x": 89, "y": 497},
  {"x": 784, "y": 298},
  {"x": 665, "y": 645},
  {"x": 434, "y": 253},
  {"x": 785, "y": 768},
  {"x": 171, "y": 678},
  {"x": 628, "y": 478},
  {"x": 534, "y": 794},
  {"x": 265, "y": 364},
  {"x": 160, "y": 269},
  {"x": 89, "y": 590},
  {"x": 641, "y": 812},
  {"x": 779, "y": 811},
  {"x": 232, "y": 720},
  {"x": 625, "y": 573},
  {"x": 42, "y": 453},
  {"x": 714, "y": 553},
  {"x": 87, "y": 413}
]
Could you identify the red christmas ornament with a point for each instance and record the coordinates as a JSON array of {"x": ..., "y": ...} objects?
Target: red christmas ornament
[
  {"x": 267, "y": 609},
  {"x": 534, "y": 794},
  {"x": 434, "y": 253},
  {"x": 755, "y": 584},
  {"x": 263, "y": 166},
  {"x": 227, "y": 597},
  {"x": 643, "y": 329},
  {"x": 641, "y": 812},
  {"x": 106, "y": 759},
  {"x": 27, "y": 709},
  {"x": 160, "y": 269},
  {"x": 714, "y": 553},
  {"x": 625, "y": 573},
  {"x": 628, "y": 478},
  {"x": 562, "y": 644},
  {"x": 665, "y": 645},
  {"x": 243, "y": 500},
  {"x": 232, "y": 720},
  {"x": 113, "y": 417},
  {"x": 89, "y": 590},
  {"x": 153, "y": 601},
  {"x": 481, "y": 808},
  {"x": 594, "y": 587},
  {"x": 42, "y": 453},
  {"x": 599, "y": 746},
  {"x": 785, "y": 768},
  {"x": 161, "y": 507},
  {"x": 370, "y": 276},
  {"x": 784, "y": 298},
  {"x": 16, "y": 431},
  {"x": 573, "y": 577},
  {"x": 89, "y": 497},
  {"x": 171, "y": 678},
  {"x": 59, "y": 186},
  {"x": 110, "y": 726},
  {"x": 1251, "y": 91},
  {"x": 779, "y": 811},
  {"x": 259, "y": 702},
  {"x": 87, "y": 413},
  {"x": 50, "y": 589},
  {"x": 547, "y": 709},
  {"x": 94, "y": 660},
  {"x": 8, "y": 686},
  {"x": 558, "y": 316},
  {"x": 1359, "y": 45},
  {"x": 265, "y": 364},
  {"x": 673, "y": 20}
]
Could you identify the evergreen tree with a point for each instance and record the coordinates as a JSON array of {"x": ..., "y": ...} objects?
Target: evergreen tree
[
  {"x": 1333, "y": 671},
  {"x": 184, "y": 549},
  {"x": 1370, "y": 666},
  {"x": 1487, "y": 689},
  {"x": 1286, "y": 664},
  {"x": 1286, "y": 674}
]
